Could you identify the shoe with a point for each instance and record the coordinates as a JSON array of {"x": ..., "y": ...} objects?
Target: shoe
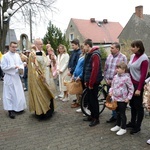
[
  {"x": 121, "y": 131},
  {"x": 135, "y": 131},
  {"x": 89, "y": 118},
  {"x": 84, "y": 115},
  {"x": 60, "y": 99},
  {"x": 60, "y": 95},
  {"x": 112, "y": 119},
  {"x": 94, "y": 122},
  {"x": 55, "y": 97},
  {"x": 87, "y": 111},
  {"x": 116, "y": 128},
  {"x": 75, "y": 105},
  {"x": 74, "y": 101},
  {"x": 11, "y": 114},
  {"x": 65, "y": 99},
  {"x": 19, "y": 112},
  {"x": 148, "y": 142},
  {"x": 25, "y": 89},
  {"x": 129, "y": 125},
  {"x": 79, "y": 110}
]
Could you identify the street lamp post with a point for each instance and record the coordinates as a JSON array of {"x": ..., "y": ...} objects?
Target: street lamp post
[
  {"x": 5, "y": 14},
  {"x": 30, "y": 25}
]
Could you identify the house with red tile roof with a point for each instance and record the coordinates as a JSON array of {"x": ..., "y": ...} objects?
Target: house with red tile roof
[{"x": 101, "y": 32}]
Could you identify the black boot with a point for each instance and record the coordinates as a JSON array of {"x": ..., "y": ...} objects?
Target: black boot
[
  {"x": 94, "y": 122},
  {"x": 11, "y": 114}
]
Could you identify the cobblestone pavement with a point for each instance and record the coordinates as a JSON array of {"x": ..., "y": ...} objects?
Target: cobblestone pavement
[{"x": 66, "y": 130}]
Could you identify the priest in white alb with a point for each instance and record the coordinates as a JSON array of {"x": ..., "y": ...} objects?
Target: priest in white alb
[{"x": 13, "y": 93}]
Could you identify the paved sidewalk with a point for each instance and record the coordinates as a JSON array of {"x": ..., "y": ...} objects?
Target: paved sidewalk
[{"x": 66, "y": 130}]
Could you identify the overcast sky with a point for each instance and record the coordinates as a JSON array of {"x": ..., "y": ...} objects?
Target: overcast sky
[{"x": 112, "y": 10}]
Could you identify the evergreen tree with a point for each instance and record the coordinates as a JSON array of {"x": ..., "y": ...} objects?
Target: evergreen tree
[
  {"x": 54, "y": 36},
  {"x": 103, "y": 52}
]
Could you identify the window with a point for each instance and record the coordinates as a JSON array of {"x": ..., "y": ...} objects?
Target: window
[{"x": 71, "y": 37}]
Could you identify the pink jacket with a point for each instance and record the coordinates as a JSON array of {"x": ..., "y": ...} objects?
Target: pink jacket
[
  {"x": 54, "y": 70},
  {"x": 121, "y": 87}
]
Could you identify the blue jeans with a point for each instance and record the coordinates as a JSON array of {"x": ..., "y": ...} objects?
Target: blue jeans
[
  {"x": 114, "y": 114},
  {"x": 26, "y": 83}
]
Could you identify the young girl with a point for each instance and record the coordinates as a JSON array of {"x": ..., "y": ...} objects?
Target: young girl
[
  {"x": 53, "y": 65},
  {"x": 121, "y": 91},
  {"x": 62, "y": 59}
]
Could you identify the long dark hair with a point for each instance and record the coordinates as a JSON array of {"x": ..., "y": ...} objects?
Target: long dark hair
[{"x": 138, "y": 44}]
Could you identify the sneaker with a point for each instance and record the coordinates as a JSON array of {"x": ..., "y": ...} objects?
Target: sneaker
[
  {"x": 148, "y": 141},
  {"x": 61, "y": 96},
  {"x": 121, "y": 131},
  {"x": 79, "y": 110},
  {"x": 65, "y": 99},
  {"x": 55, "y": 97},
  {"x": 87, "y": 111},
  {"x": 116, "y": 128}
]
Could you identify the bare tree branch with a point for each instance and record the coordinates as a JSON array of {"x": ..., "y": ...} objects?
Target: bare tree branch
[{"x": 39, "y": 8}]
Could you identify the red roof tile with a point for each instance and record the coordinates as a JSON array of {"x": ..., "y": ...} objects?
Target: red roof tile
[{"x": 106, "y": 33}]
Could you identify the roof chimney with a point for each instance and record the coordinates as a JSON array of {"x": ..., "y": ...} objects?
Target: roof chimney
[
  {"x": 139, "y": 11},
  {"x": 92, "y": 19},
  {"x": 105, "y": 20}
]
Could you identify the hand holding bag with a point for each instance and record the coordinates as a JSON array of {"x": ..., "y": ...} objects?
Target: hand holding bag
[
  {"x": 66, "y": 80},
  {"x": 112, "y": 105},
  {"x": 74, "y": 87}
]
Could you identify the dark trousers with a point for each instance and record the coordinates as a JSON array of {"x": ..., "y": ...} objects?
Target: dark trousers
[
  {"x": 1, "y": 73},
  {"x": 121, "y": 115},
  {"x": 93, "y": 101},
  {"x": 137, "y": 110},
  {"x": 26, "y": 83}
]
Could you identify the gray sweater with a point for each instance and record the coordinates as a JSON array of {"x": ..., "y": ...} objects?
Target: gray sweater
[{"x": 135, "y": 66}]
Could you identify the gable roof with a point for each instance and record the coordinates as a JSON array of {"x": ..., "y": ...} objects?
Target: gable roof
[
  {"x": 137, "y": 28},
  {"x": 98, "y": 31}
]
